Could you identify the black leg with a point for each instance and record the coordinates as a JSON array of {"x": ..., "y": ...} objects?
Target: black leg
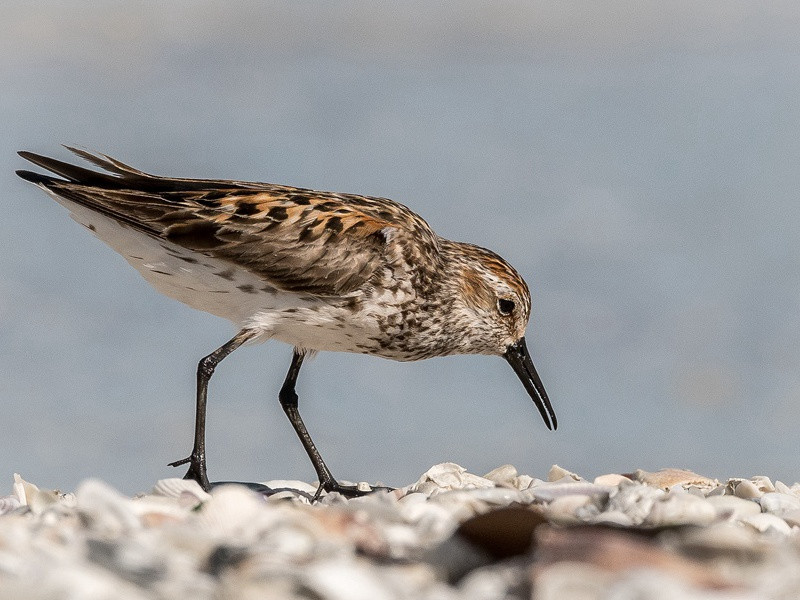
[
  {"x": 288, "y": 398},
  {"x": 205, "y": 369}
]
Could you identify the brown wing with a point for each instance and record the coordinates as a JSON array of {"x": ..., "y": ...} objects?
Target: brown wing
[{"x": 299, "y": 240}]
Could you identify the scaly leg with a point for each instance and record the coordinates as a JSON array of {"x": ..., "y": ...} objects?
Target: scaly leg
[
  {"x": 205, "y": 369},
  {"x": 288, "y": 399}
]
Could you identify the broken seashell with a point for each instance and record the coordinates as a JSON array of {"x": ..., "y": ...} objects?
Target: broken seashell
[
  {"x": 449, "y": 476},
  {"x": 558, "y": 474},
  {"x": 746, "y": 489},
  {"x": 666, "y": 478},
  {"x": 175, "y": 488},
  {"x": 503, "y": 475}
]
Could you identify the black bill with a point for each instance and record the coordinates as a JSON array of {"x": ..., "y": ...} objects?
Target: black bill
[{"x": 519, "y": 359}]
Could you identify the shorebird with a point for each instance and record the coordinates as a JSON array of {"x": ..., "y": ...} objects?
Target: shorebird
[{"x": 317, "y": 270}]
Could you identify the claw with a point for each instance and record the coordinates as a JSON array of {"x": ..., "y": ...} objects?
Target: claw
[{"x": 197, "y": 470}]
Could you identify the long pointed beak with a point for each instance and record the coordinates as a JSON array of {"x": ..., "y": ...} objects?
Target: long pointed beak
[{"x": 520, "y": 360}]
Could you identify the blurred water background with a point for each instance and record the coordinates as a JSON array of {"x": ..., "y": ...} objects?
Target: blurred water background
[{"x": 636, "y": 161}]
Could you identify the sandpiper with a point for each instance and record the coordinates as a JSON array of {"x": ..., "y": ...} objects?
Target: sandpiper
[{"x": 317, "y": 270}]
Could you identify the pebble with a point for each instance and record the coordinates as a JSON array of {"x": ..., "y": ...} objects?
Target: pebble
[{"x": 451, "y": 534}]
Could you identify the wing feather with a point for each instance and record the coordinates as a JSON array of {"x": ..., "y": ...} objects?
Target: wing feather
[{"x": 298, "y": 240}]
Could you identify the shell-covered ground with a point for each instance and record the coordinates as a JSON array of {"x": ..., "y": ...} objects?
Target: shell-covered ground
[{"x": 452, "y": 534}]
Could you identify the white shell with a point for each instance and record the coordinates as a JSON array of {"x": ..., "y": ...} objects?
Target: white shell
[
  {"x": 763, "y": 483},
  {"x": 175, "y": 488},
  {"x": 566, "y": 510},
  {"x": 9, "y": 503},
  {"x": 233, "y": 511},
  {"x": 449, "y": 476},
  {"x": 610, "y": 479},
  {"x": 503, "y": 475},
  {"x": 747, "y": 490},
  {"x": 109, "y": 512},
  {"x": 403, "y": 544},
  {"x": 547, "y": 492},
  {"x": 765, "y": 522},
  {"x": 732, "y": 507},
  {"x": 613, "y": 517},
  {"x": 560, "y": 474},
  {"x": 635, "y": 500},
  {"x": 680, "y": 509},
  {"x": 778, "y": 503}
]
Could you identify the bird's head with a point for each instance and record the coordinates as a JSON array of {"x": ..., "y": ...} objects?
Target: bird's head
[{"x": 496, "y": 305}]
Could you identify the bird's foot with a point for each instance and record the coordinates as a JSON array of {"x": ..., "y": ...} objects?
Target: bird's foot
[
  {"x": 197, "y": 469},
  {"x": 349, "y": 491}
]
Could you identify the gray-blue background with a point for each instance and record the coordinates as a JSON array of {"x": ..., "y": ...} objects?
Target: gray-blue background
[{"x": 638, "y": 162}]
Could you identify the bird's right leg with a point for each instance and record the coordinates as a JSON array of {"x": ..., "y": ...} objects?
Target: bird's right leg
[
  {"x": 205, "y": 369},
  {"x": 289, "y": 401}
]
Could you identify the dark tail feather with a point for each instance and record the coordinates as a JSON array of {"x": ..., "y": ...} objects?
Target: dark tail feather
[
  {"x": 124, "y": 176},
  {"x": 69, "y": 172},
  {"x": 36, "y": 178}
]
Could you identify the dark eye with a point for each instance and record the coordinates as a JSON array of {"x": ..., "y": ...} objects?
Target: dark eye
[{"x": 505, "y": 306}]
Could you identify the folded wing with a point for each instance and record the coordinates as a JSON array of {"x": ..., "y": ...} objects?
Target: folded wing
[{"x": 294, "y": 239}]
